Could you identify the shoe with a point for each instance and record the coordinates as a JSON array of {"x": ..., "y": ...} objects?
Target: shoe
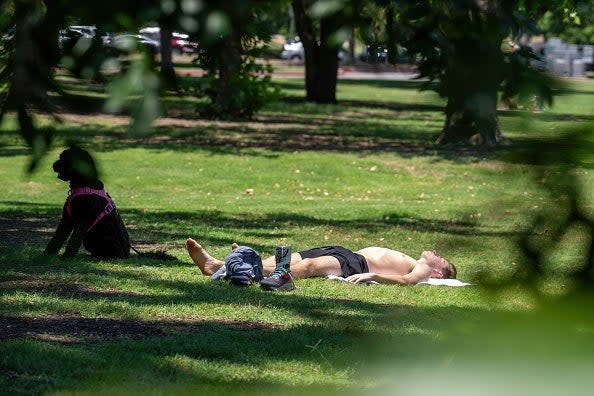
[
  {"x": 280, "y": 279},
  {"x": 282, "y": 256}
]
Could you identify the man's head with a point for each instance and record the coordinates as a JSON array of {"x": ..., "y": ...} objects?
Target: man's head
[{"x": 440, "y": 267}]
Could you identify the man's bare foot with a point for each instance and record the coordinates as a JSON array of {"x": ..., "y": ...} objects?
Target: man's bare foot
[
  {"x": 208, "y": 265},
  {"x": 234, "y": 246}
]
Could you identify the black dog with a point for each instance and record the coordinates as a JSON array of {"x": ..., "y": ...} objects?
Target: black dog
[{"x": 89, "y": 213}]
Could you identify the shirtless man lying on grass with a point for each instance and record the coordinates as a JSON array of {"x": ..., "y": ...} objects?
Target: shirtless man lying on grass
[{"x": 368, "y": 264}]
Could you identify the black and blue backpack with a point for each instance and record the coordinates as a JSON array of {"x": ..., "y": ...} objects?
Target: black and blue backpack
[{"x": 243, "y": 267}]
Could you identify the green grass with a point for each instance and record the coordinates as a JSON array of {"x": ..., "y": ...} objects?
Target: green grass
[{"x": 361, "y": 173}]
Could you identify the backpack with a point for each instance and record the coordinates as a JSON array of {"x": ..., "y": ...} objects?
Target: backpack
[{"x": 242, "y": 267}]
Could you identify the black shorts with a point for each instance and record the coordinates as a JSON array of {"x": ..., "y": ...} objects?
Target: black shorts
[{"x": 350, "y": 263}]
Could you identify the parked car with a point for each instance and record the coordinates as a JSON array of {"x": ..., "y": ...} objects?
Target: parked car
[
  {"x": 293, "y": 50},
  {"x": 180, "y": 42},
  {"x": 153, "y": 33},
  {"x": 68, "y": 37},
  {"x": 86, "y": 31},
  {"x": 127, "y": 42},
  {"x": 374, "y": 54}
]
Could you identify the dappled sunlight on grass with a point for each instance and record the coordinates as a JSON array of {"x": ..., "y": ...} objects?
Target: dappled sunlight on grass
[{"x": 364, "y": 172}]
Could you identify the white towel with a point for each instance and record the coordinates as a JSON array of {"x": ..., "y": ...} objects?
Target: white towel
[
  {"x": 429, "y": 281},
  {"x": 443, "y": 282}
]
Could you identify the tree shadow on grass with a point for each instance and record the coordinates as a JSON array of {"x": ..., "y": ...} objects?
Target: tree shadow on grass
[
  {"x": 355, "y": 126},
  {"x": 356, "y": 131},
  {"x": 31, "y": 224},
  {"x": 226, "y": 141},
  {"x": 547, "y": 117},
  {"x": 340, "y": 337},
  {"x": 113, "y": 350},
  {"x": 337, "y": 334}
]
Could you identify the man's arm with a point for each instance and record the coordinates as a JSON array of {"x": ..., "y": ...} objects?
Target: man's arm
[{"x": 419, "y": 272}]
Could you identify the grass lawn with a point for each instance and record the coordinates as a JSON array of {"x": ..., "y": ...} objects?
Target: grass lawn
[{"x": 358, "y": 174}]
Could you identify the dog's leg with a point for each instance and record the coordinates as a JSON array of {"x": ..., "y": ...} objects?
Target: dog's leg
[
  {"x": 75, "y": 241},
  {"x": 64, "y": 229}
]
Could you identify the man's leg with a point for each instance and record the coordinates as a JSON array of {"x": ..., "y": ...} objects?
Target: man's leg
[
  {"x": 300, "y": 268},
  {"x": 315, "y": 267},
  {"x": 207, "y": 264},
  {"x": 306, "y": 268},
  {"x": 269, "y": 263}
]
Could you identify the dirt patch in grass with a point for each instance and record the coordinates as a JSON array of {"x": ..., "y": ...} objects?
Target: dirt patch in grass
[{"x": 69, "y": 329}]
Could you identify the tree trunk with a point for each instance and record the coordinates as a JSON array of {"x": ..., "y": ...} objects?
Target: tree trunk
[
  {"x": 321, "y": 59},
  {"x": 230, "y": 65},
  {"x": 472, "y": 120},
  {"x": 472, "y": 82},
  {"x": 328, "y": 61},
  {"x": 392, "y": 34},
  {"x": 31, "y": 73},
  {"x": 351, "y": 58},
  {"x": 167, "y": 70},
  {"x": 307, "y": 36}
]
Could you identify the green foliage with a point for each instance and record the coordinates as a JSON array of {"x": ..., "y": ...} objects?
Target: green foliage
[
  {"x": 236, "y": 85},
  {"x": 558, "y": 164},
  {"x": 523, "y": 81},
  {"x": 573, "y": 23},
  {"x": 27, "y": 58},
  {"x": 460, "y": 45},
  {"x": 250, "y": 86},
  {"x": 136, "y": 90},
  {"x": 28, "y": 62}
]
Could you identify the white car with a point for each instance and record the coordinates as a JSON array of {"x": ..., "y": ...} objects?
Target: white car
[
  {"x": 293, "y": 50},
  {"x": 180, "y": 42},
  {"x": 76, "y": 32},
  {"x": 127, "y": 42}
]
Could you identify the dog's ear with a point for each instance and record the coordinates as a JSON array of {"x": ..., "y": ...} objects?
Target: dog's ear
[{"x": 76, "y": 163}]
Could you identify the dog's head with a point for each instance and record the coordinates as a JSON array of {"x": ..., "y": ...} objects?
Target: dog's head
[{"x": 76, "y": 164}]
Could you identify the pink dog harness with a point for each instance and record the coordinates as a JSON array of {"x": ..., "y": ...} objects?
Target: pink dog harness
[{"x": 90, "y": 191}]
